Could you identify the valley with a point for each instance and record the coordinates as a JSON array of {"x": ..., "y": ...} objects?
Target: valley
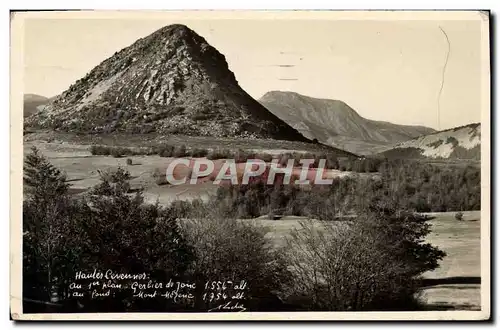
[{"x": 82, "y": 168}]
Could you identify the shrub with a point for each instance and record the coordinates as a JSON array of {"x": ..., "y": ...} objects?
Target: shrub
[
  {"x": 330, "y": 160},
  {"x": 161, "y": 180},
  {"x": 231, "y": 250},
  {"x": 100, "y": 150},
  {"x": 285, "y": 157},
  {"x": 180, "y": 151},
  {"x": 156, "y": 173},
  {"x": 265, "y": 157},
  {"x": 159, "y": 177},
  {"x": 219, "y": 154},
  {"x": 180, "y": 208},
  {"x": 113, "y": 182},
  {"x": 198, "y": 152},
  {"x": 164, "y": 150},
  {"x": 117, "y": 152},
  {"x": 201, "y": 116},
  {"x": 241, "y": 156},
  {"x": 371, "y": 263},
  {"x": 129, "y": 161},
  {"x": 459, "y": 216}
]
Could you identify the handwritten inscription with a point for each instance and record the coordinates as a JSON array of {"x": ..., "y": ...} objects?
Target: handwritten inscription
[
  {"x": 228, "y": 295},
  {"x": 109, "y": 274},
  {"x": 222, "y": 296}
]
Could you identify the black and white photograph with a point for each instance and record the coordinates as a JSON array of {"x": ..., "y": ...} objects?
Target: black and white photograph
[{"x": 215, "y": 165}]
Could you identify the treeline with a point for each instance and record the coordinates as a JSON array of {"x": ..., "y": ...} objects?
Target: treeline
[
  {"x": 354, "y": 164},
  {"x": 401, "y": 185},
  {"x": 430, "y": 188},
  {"x": 377, "y": 257}
]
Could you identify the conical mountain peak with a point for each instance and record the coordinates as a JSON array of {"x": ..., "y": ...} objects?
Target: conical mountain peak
[{"x": 171, "y": 81}]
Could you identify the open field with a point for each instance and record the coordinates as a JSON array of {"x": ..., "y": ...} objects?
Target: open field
[
  {"x": 457, "y": 282},
  {"x": 82, "y": 170},
  {"x": 146, "y": 140}
]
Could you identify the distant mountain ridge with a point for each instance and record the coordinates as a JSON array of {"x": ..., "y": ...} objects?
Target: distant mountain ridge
[
  {"x": 32, "y": 103},
  {"x": 462, "y": 142},
  {"x": 170, "y": 82},
  {"x": 328, "y": 120}
]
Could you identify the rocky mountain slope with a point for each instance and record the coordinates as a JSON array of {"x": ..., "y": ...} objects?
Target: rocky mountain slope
[
  {"x": 32, "y": 103},
  {"x": 332, "y": 121},
  {"x": 457, "y": 143},
  {"x": 170, "y": 82}
]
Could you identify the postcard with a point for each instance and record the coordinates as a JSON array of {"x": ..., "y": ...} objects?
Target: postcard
[{"x": 250, "y": 165}]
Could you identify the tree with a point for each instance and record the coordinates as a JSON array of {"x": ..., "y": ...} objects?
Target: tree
[
  {"x": 46, "y": 210},
  {"x": 233, "y": 250},
  {"x": 43, "y": 181},
  {"x": 108, "y": 228},
  {"x": 371, "y": 263},
  {"x": 124, "y": 234}
]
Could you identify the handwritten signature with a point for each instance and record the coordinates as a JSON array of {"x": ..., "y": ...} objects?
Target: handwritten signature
[{"x": 229, "y": 306}]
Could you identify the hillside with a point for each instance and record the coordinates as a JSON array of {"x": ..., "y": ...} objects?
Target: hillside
[
  {"x": 32, "y": 102},
  {"x": 170, "y": 82},
  {"x": 457, "y": 143},
  {"x": 335, "y": 123}
]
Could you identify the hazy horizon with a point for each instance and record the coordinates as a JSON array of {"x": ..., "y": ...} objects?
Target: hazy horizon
[{"x": 385, "y": 70}]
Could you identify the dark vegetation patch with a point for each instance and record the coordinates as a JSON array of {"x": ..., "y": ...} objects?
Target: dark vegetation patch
[
  {"x": 462, "y": 153},
  {"x": 475, "y": 132},
  {"x": 435, "y": 144},
  {"x": 402, "y": 153},
  {"x": 452, "y": 140}
]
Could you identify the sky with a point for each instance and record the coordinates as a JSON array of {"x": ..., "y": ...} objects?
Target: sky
[{"x": 384, "y": 68}]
